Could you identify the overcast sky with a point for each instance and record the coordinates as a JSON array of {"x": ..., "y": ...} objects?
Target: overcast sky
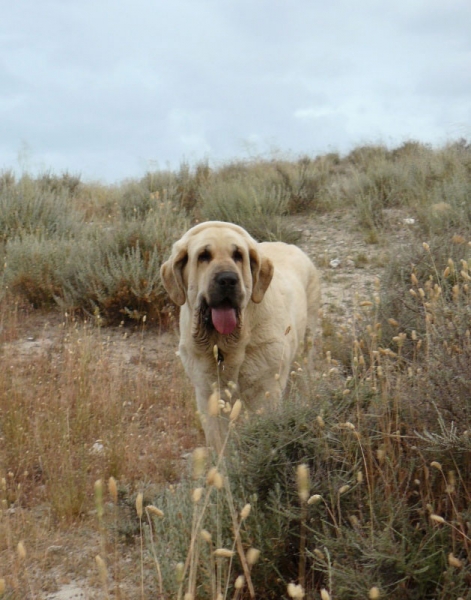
[{"x": 111, "y": 89}]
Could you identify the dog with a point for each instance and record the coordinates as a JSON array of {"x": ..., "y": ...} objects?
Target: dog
[{"x": 246, "y": 310}]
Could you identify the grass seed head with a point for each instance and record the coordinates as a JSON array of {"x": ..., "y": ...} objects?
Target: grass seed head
[
  {"x": 235, "y": 412},
  {"x": 239, "y": 582},
  {"x": 437, "y": 519},
  {"x": 199, "y": 457},
  {"x": 302, "y": 475},
  {"x": 196, "y": 495},
  {"x": 21, "y": 550},
  {"x": 295, "y": 591},
  {"x": 454, "y": 562},
  {"x": 99, "y": 497},
  {"x": 213, "y": 404},
  {"x": 374, "y": 593},
  {"x": 179, "y": 572},
  {"x": 451, "y": 482},
  {"x": 206, "y": 536},
  {"x": 102, "y": 570},
  {"x": 252, "y": 556},
  {"x": 153, "y": 510},
  {"x": 113, "y": 489},
  {"x": 325, "y": 594},
  {"x": 354, "y": 521},
  {"x": 215, "y": 478},
  {"x": 245, "y": 512},
  {"x": 139, "y": 501},
  {"x": 223, "y": 553},
  {"x": 218, "y": 481}
]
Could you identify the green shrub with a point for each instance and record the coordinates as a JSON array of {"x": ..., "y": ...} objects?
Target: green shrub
[
  {"x": 111, "y": 272},
  {"x": 34, "y": 268},
  {"x": 65, "y": 183},
  {"x": 140, "y": 198},
  {"x": 116, "y": 274},
  {"x": 114, "y": 286},
  {"x": 306, "y": 182},
  {"x": 427, "y": 296},
  {"x": 432, "y": 185},
  {"x": 257, "y": 208},
  {"x": 27, "y": 209}
]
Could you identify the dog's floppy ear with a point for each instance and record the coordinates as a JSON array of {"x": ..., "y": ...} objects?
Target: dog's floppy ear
[
  {"x": 171, "y": 273},
  {"x": 262, "y": 273}
]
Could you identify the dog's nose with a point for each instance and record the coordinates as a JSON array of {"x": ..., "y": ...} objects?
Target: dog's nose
[{"x": 227, "y": 279}]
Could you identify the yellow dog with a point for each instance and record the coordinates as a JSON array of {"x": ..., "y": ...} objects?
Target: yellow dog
[{"x": 254, "y": 301}]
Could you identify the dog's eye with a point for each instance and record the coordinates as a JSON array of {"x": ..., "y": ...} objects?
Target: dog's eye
[
  {"x": 204, "y": 256},
  {"x": 237, "y": 256}
]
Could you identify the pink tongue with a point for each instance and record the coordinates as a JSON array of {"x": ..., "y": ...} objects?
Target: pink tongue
[{"x": 224, "y": 319}]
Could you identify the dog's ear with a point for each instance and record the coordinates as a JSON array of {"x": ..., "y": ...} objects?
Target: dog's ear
[
  {"x": 262, "y": 273},
  {"x": 171, "y": 273}
]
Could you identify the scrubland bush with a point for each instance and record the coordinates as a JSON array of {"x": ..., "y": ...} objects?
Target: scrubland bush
[
  {"x": 34, "y": 268},
  {"x": 110, "y": 270},
  {"x": 25, "y": 208},
  {"x": 256, "y": 207},
  {"x": 433, "y": 185}
]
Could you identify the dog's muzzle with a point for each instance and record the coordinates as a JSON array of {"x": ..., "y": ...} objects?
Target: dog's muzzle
[{"x": 224, "y": 299}]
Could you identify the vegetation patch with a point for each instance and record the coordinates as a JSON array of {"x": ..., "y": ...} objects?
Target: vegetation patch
[{"x": 357, "y": 487}]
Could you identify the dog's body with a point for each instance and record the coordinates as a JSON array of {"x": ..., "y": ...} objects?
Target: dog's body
[{"x": 254, "y": 302}]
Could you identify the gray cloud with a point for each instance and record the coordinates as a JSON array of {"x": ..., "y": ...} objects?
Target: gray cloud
[{"x": 109, "y": 88}]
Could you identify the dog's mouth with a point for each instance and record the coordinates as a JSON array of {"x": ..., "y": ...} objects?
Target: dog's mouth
[{"x": 223, "y": 317}]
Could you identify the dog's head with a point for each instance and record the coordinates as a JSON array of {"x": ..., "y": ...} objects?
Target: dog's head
[{"x": 217, "y": 269}]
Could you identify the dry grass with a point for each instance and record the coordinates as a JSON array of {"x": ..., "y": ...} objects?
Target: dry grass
[{"x": 74, "y": 414}]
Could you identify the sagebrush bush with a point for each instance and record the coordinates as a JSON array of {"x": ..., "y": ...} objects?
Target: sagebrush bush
[
  {"x": 116, "y": 275},
  {"x": 182, "y": 188},
  {"x": 34, "y": 268},
  {"x": 255, "y": 207},
  {"x": 139, "y": 198},
  {"x": 306, "y": 182},
  {"x": 25, "y": 209},
  {"x": 70, "y": 184},
  {"x": 432, "y": 185},
  {"x": 428, "y": 299},
  {"x": 111, "y": 272}
]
